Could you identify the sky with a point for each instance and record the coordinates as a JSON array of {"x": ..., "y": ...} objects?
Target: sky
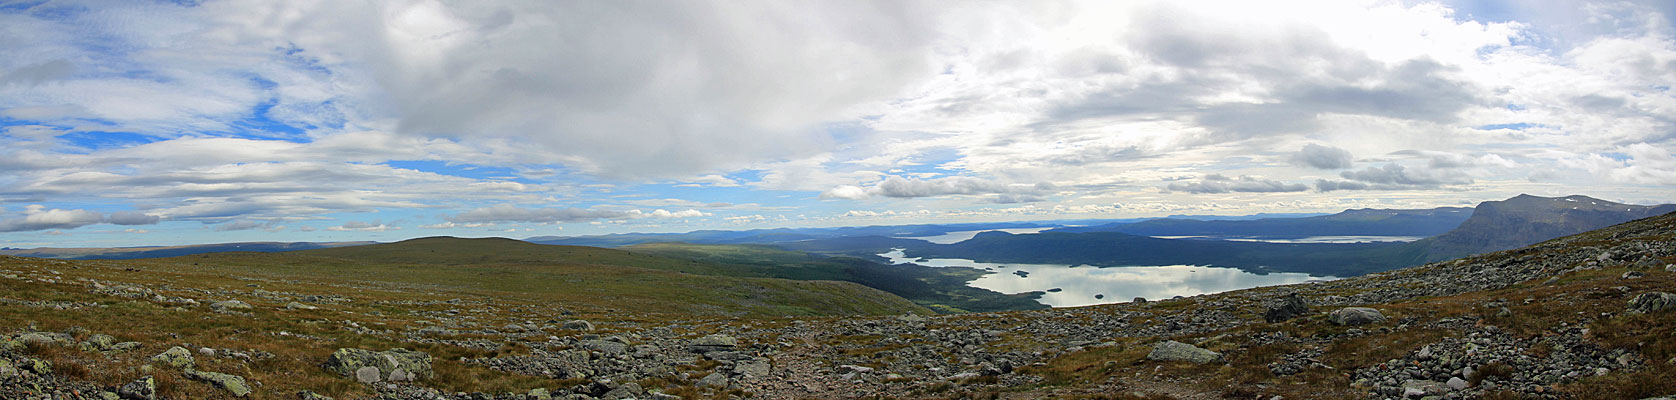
[{"x": 126, "y": 123}]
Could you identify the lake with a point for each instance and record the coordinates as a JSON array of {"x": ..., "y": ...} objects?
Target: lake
[{"x": 1078, "y": 285}]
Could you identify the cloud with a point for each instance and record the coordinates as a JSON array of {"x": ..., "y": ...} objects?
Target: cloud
[
  {"x": 1216, "y": 183},
  {"x": 1322, "y": 157},
  {"x": 362, "y": 226},
  {"x": 510, "y": 213},
  {"x": 1393, "y": 177},
  {"x": 132, "y": 218},
  {"x": 37, "y": 218},
  {"x": 904, "y": 188},
  {"x": 241, "y": 225}
]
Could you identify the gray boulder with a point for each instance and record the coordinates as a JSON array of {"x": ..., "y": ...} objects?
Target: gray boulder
[
  {"x": 715, "y": 379},
  {"x": 1353, "y": 316},
  {"x": 1170, "y": 350},
  {"x": 7, "y": 370},
  {"x": 390, "y": 365},
  {"x": 99, "y": 342},
  {"x": 299, "y": 306},
  {"x": 1652, "y": 302},
  {"x": 174, "y": 357},
  {"x": 230, "y": 305},
  {"x": 605, "y": 347},
  {"x": 579, "y": 325},
  {"x": 45, "y": 339},
  {"x": 140, "y": 389},
  {"x": 231, "y": 383},
  {"x": 1290, "y": 307},
  {"x": 717, "y": 342},
  {"x": 309, "y": 395}
]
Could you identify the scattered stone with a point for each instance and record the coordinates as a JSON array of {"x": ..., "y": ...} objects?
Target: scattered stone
[
  {"x": 1422, "y": 388},
  {"x": 222, "y": 306},
  {"x": 141, "y": 389},
  {"x": 717, "y": 342},
  {"x": 299, "y": 306},
  {"x": 7, "y": 370},
  {"x": 231, "y": 383},
  {"x": 309, "y": 395},
  {"x": 1456, "y": 383},
  {"x": 1354, "y": 316},
  {"x": 579, "y": 325},
  {"x": 174, "y": 357},
  {"x": 390, "y": 365},
  {"x": 1633, "y": 275},
  {"x": 1170, "y": 350},
  {"x": 1652, "y": 302},
  {"x": 540, "y": 394},
  {"x": 605, "y": 346},
  {"x": 714, "y": 379},
  {"x": 1290, "y": 307}
]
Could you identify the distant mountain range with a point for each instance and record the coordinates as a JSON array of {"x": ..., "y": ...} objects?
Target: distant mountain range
[
  {"x": 1360, "y": 222},
  {"x": 128, "y": 253},
  {"x": 1492, "y": 226}
]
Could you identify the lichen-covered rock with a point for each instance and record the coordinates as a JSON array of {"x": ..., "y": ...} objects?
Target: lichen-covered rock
[
  {"x": 1652, "y": 302},
  {"x": 7, "y": 370},
  {"x": 140, "y": 389},
  {"x": 1353, "y": 316},
  {"x": 579, "y": 325},
  {"x": 391, "y": 365},
  {"x": 711, "y": 343},
  {"x": 38, "y": 366},
  {"x": 310, "y": 395},
  {"x": 174, "y": 357},
  {"x": 98, "y": 342},
  {"x": 231, "y": 383},
  {"x": 1290, "y": 307},
  {"x": 44, "y": 339},
  {"x": 1170, "y": 350},
  {"x": 230, "y": 305}
]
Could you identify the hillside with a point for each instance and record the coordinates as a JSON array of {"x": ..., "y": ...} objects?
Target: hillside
[
  {"x": 128, "y": 253},
  {"x": 1587, "y": 316},
  {"x": 581, "y": 276},
  {"x": 940, "y": 289},
  {"x": 1360, "y": 222},
  {"x": 1526, "y": 219}
]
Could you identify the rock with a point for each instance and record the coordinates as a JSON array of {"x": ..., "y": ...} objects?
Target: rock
[
  {"x": 855, "y": 368},
  {"x": 141, "y": 389},
  {"x": 98, "y": 342},
  {"x": 206, "y": 352},
  {"x": 717, "y": 342},
  {"x": 38, "y": 366},
  {"x": 1355, "y": 316},
  {"x": 231, "y": 383},
  {"x": 1138, "y": 300},
  {"x": 1170, "y": 350},
  {"x": 1289, "y": 307},
  {"x": 579, "y": 325},
  {"x": 44, "y": 339},
  {"x": 753, "y": 369},
  {"x": 540, "y": 394},
  {"x": 1652, "y": 302},
  {"x": 7, "y": 370},
  {"x": 714, "y": 379},
  {"x": 1418, "y": 388},
  {"x": 299, "y": 306},
  {"x": 174, "y": 357},
  {"x": 1633, "y": 275},
  {"x": 1457, "y": 383},
  {"x": 309, "y": 395},
  {"x": 390, "y": 365},
  {"x": 228, "y": 305},
  {"x": 605, "y": 347}
]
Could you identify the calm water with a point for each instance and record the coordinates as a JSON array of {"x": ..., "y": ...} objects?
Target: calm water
[
  {"x": 1078, "y": 285},
  {"x": 958, "y": 236}
]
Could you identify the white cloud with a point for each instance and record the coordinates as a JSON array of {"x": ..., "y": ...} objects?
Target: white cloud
[
  {"x": 1322, "y": 157},
  {"x": 361, "y": 226},
  {"x": 1215, "y": 183}
]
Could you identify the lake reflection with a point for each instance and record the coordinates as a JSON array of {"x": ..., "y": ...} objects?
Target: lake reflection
[{"x": 1080, "y": 284}]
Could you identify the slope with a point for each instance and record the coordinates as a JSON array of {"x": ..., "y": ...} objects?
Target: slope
[
  {"x": 579, "y": 276},
  {"x": 1526, "y": 219},
  {"x": 940, "y": 289}
]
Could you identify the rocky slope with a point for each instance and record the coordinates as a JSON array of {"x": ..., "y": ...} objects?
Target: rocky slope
[{"x": 1586, "y": 316}]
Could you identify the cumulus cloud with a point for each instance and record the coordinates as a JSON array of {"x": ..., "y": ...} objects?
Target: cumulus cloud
[
  {"x": 1216, "y": 183},
  {"x": 1393, "y": 177},
  {"x": 362, "y": 226},
  {"x": 1322, "y": 157},
  {"x": 903, "y": 188},
  {"x": 37, "y": 218},
  {"x": 241, "y": 225},
  {"x": 511, "y": 213},
  {"x": 132, "y": 218}
]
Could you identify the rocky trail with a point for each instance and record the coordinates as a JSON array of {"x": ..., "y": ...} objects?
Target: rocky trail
[{"x": 1587, "y": 316}]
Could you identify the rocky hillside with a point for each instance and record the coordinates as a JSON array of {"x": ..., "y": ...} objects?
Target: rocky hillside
[
  {"x": 1527, "y": 219},
  {"x": 1586, "y": 316}
]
